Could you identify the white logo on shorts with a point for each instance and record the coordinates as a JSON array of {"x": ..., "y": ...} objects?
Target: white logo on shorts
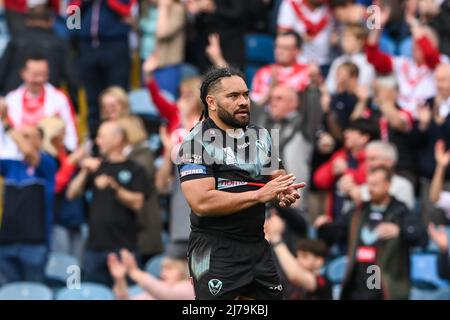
[{"x": 215, "y": 285}]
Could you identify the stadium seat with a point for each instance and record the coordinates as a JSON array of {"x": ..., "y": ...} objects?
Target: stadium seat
[
  {"x": 424, "y": 271},
  {"x": 441, "y": 294},
  {"x": 25, "y": 291},
  {"x": 188, "y": 71},
  {"x": 259, "y": 48},
  {"x": 423, "y": 294},
  {"x": 141, "y": 102},
  {"x": 87, "y": 291},
  {"x": 153, "y": 266},
  {"x": 258, "y": 52},
  {"x": 57, "y": 265},
  {"x": 336, "y": 269},
  {"x": 420, "y": 294}
]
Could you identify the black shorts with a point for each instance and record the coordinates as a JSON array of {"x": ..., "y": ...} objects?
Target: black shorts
[{"x": 223, "y": 269}]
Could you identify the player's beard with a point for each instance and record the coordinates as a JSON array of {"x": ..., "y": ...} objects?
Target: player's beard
[{"x": 232, "y": 119}]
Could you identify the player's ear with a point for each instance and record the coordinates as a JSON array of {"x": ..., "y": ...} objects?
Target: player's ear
[{"x": 211, "y": 102}]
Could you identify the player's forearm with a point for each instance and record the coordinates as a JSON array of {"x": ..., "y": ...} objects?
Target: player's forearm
[{"x": 220, "y": 203}]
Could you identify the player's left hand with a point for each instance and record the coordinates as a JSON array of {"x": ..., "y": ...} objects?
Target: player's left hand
[{"x": 290, "y": 196}]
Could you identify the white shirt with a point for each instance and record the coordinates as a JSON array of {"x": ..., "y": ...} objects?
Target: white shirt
[
  {"x": 366, "y": 70},
  {"x": 55, "y": 104},
  {"x": 317, "y": 50}
]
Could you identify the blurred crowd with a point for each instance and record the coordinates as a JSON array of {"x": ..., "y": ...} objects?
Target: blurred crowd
[{"x": 359, "y": 94}]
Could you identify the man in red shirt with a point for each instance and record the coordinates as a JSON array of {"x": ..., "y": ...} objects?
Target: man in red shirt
[{"x": 285, "y": 70}]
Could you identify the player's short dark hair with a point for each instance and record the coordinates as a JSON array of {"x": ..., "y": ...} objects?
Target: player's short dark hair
[
  {"x": 297, "y": 37},
  {"x": 212, "y": 79},
  {"x": 366, "y": 127},
  {"x": 314, "y": 246}
]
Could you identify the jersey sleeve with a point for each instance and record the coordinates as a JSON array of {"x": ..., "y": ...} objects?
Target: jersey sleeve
[{"x": 192, "y": 161}]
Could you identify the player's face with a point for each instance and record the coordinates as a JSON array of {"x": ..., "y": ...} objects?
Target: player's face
[{"x": 233, "y": 102}]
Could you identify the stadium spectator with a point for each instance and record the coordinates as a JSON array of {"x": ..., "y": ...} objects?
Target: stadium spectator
[
  {"x": 173, "y": 285},
  {"x": 395, "y": 123},
  {"x": 27, "y": 216},
  {"x": 433, "y": 125},
  {"x": 313, "y": 21},
  {"x": 381, "y": 232},
  {"x": 297, "y": 121},
  {"x": 148, "y": 18},
  {"x": 114, "y": 103},
  {"x": 348, "y": 12},
  {"x": 441, "y": 23},
  {"x": 441, "y": 199},
  {"x": 37, "y": 99},
  {"x": 16, "y": 12},
  {"x": 115, "y": 107},
  {"x": 440, "y": 237},
  {"x": 227, "y": 18},
  {"x": 38, "y": 36},
  {"x": 69, "y": 215},
  {"x": 438, "y": 196},
  {"x": 104, "y": 50},
  {"x": 348, "y": 161},
  {"x": 170, "y": 41},
  {"x": 303, "y": 270},
  {"x": 381, "y": 153},
  {"x": 150, "y": 218},
  {"x": 414, "y": 75},
  {"x": 119, "y": 188},
  {"x": 352, "y": 44},
  {"x": 341, "y": 107},
  {"x": 285, "y": 70},
  {"x": 181, "y": 117},
  {"x": 186, "y": 110}
]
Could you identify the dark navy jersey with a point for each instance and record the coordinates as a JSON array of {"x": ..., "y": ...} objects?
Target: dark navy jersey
[{"x": 239, "y": 161}]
